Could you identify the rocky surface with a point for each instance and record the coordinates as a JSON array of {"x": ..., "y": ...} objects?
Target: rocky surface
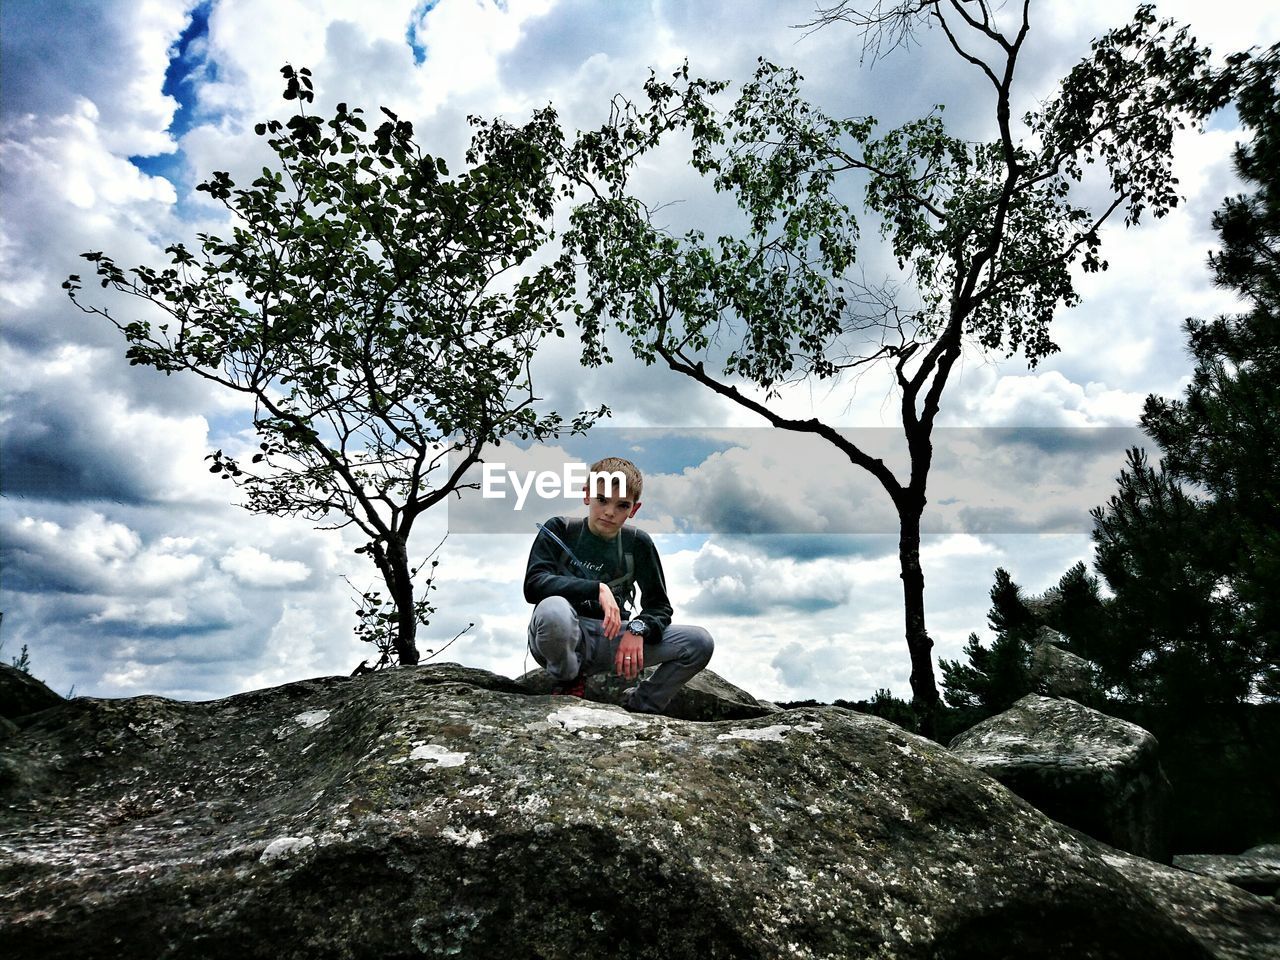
[
  {"x": 706, "y": 697},
  {"x": 1093, "y": 772},
  {"x": 1056, "y": 672},
  {"x": 1230, "y": 921},
  {"x": 433, "y": 811},
  {"x": 1256, "y": 870},
  {"x": 22, "y": 694}
]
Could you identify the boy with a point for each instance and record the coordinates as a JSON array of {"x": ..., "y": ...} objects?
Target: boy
[{"x": 582, "y": 575}]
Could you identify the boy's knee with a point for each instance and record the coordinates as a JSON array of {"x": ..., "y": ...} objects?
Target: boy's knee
[
  {"x": 553, "y": 610},
  {"x": 700, "y": 645},
  {"x": 553, "y": 630}
]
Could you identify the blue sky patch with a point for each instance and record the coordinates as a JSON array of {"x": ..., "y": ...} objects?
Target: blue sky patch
[
  {"x": 171, "y": 166},
  {"x": 190, "y": 55},
  {"x": 188, "y": 61},
  {"x": 416, "y": 41}
]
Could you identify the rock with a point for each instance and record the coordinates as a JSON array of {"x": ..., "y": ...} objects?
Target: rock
[
  {"x": 1049, "y": 635},
  {"x": 22, "y": 694},
  {"x": 457, "y": 673},
  {"x": 1256, "y": 870},
  {"x": 1090, "y": 771},
  {"x": 706, "y": 697},
  {"x": 1232, "y": 923},
  {"x": 401, "y": 814},
  {"x": 1056, "y": 672}
]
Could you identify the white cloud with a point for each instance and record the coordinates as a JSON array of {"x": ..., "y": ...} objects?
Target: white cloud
[
  {"x": 254, "y": 568},
  {"x": 1048, "y": 399},
  {"x": 291, "y": 643},
  {"x": 742, "y": 583},
  {"x": 103, "y": 556},
  {"x": 957, "y": 545},
  {"x": 129, "y": 678},
  {"x": 162, "y": 612},
  {"x": 99, "y": 442}
]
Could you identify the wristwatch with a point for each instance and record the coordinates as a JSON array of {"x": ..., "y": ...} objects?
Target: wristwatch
[{"x": 638, "y": 627}]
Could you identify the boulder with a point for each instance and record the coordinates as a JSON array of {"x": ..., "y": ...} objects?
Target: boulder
[
  {"x": 1056, "y": 672},
  {"x": 411, "y": 813},
  {"x": 1090, "y": 771},
  {"x": 706, "y": 697},
  {"x": 1256, "y": 870},
  {"x": 1232, "y": 923},
  {"x": 22, "y": 694}
]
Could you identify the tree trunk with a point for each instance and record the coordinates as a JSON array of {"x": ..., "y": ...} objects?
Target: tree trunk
[
  {"x": 924, "y": 691},
  {"x": 400, "y": 583}
]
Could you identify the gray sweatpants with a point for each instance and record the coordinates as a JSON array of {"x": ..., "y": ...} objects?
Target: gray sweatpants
[{"x": 565, "y": 644}]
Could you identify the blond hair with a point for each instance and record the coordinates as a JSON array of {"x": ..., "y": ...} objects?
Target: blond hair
[{"x": 598, "y": 477}]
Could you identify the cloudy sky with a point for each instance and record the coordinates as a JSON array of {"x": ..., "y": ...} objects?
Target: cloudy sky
[{"x": 127, "y": 568}]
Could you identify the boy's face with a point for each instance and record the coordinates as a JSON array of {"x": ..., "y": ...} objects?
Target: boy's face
[{"x": 606, "y": 514}]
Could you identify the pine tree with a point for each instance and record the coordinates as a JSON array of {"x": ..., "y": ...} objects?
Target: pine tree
[
  {"x": 1075, "y": 608},
  {"x": 995, "y": 677},
  {"x": 1169, "y": 621},
  {"x": 1192, "y": 549}
]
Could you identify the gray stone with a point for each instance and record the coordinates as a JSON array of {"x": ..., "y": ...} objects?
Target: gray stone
[
  {"x": 1090, "y": 771},
  {"x": 22, "y": 694},
  {"x": 448, "y": 672},
  {"x": 1234, "y": 924},
  {"x": 1056, "y": 672},
  {"x": 1049, "y": 635},
  {"x": 706, "y": 697},
  {"x": 1256, "y": 870},
  {"x": 401, "y": 815}
]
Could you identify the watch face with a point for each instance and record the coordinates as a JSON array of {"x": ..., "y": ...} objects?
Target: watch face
[{"x": 637, "y": 627}]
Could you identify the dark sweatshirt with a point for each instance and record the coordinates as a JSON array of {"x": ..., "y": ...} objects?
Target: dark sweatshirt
[{"x": 550, "y": 573}]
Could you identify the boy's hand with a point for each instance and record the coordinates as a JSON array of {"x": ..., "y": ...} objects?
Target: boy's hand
[
  {"x": 612, "y": 616},
  {"x": 630, "y": 657}
]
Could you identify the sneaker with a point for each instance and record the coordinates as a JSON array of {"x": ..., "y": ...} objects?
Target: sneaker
[
  {"x": 626, "y": 702},
  {"x": 577, "y": 687}
]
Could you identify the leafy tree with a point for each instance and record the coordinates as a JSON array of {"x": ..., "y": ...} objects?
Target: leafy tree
[
  {"x": 1192, "y": 549},
  {"x": 380, "y": 312},
  {"x": 985, "y": 234}
]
